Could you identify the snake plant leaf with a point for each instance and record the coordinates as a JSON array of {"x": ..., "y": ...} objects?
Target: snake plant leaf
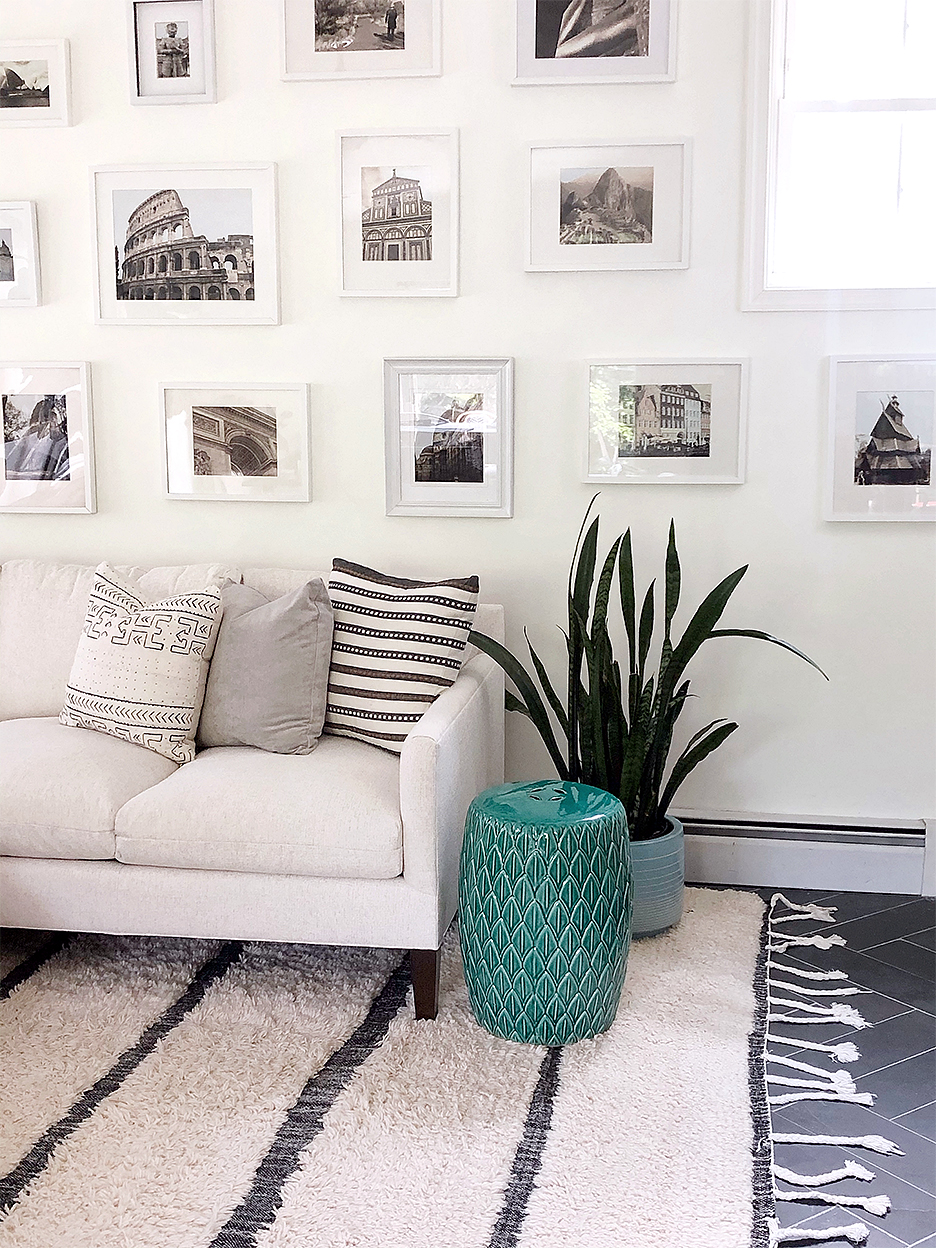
[
  {"x": 713, "y": 736},
  {"x": 646, "y": 630},
  {"x": 706, "y": 616},
  {"x": 628, "y": 596},
  {"x": 585, "y": 571},
  {"x": 672, "y": 580},
  {"x": 755, "y": 632},
  {"x": 551, "y": 696},
  {"x": 603, "y": 592},
  {"x": 513, "y": 703}
]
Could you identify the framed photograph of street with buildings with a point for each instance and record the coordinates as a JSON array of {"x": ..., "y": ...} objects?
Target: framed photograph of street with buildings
[
  {"x": 186, "y": 244},
  {"x": 19, "y": 256},
  {"x": 48, "y": 458},
  {"x": 399, "y": 212},
  {"x": 666, "y": 422},
  {"x": 608, "y": 206},
  {"x": 361, "y": 39},
  {"x": 172, "y": 54},
  {"x": 34, "y": 82},
  {"x": 449, "y": 437},
  {"x": 882, "y": 430},
  {"x": 581, "y": 41},
  {"x": 240, "y": 443}
]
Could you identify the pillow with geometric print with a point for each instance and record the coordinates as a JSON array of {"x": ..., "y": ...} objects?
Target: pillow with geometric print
[{"x": 140, "y": 668}]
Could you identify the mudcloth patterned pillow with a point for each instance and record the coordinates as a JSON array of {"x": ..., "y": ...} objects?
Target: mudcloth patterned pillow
[
  {"x": 397, "y": 644},
  {"x": 140, "y": 668}
]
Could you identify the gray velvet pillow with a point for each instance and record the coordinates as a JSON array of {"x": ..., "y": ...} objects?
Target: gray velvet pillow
[{"x": 268, "y": 681}]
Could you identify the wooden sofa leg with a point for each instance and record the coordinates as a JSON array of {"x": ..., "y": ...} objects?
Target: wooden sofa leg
[{"x": 424, "y": 969}]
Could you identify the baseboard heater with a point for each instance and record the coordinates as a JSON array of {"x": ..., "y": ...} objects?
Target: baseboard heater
[{"x": 822, "y": 828}]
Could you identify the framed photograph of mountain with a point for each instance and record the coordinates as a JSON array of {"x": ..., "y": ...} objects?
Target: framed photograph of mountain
[
  {"x": 882, "y": 430},
  {"x": 666, "y": 422},
  {"x": 240, "y": 443},
  {"x": 609, "y": 206},
  {"x": 19, "y": 256},
  {"x": 581, "y": 41},
  {"x": 449, "y": 437},
  {"x": 34, "y": 82},
  {"x": 48, "y": 459},
  {"x": 186, "y": 245},
  {"x": 399, "y": 212},
  {"x": 172, "y": 55},
  {"x": 361, "y": 39}
]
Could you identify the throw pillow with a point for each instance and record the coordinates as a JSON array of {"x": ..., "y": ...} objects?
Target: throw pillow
[
  {"x": 269, "y": 674},
  {"x": 397, "y": 645},
  {"x": 140, "y": 668}
]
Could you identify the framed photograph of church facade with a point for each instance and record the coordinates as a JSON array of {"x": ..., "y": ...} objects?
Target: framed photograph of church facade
[
  {"x": 172, "y": 53},
  {"x": 361, "y": 39},
  {"x": 186, "y": 244},
  {"x": 48, "y": 455},
  {"x": 399, "y": 212},
  {"x": 19, "y": 256},
  {"x": 34, "y": 82},
  {"x": 583, "y": 41},
  {"x": 449, "y": 437},
  {"x": 882, "y": 431}
]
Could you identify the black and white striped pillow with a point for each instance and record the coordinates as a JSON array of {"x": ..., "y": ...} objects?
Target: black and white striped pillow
[{"x": 397, "y": 644}]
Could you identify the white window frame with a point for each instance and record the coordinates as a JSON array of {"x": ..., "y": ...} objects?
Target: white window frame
[{"x": 765, "y": 75}]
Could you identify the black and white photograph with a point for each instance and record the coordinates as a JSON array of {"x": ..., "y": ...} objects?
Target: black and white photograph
[
  {"x": 590, "y": 28},
  {"x": 359, "y": 26},
  {"x": 19, "y": 255},
  {"x": 606, "y": 206},
  {"x": 171, "y": 51},
  {"x": 47, "y": 462},
  {"x": 894, "y": 437},
  {"x": 449, "y": 437},
  {"x": 7, "y": 262},
  {"x": 34, "y": 86},
  {"x": 673, "y": 420},
  {"x": 35, "y": 437},
  {"x": 24, "y": 84},
  {"x": 361, "y": 39},
  {"x": 396, "y": 222},
  {"x": 233, "y": 441},
  {"x": 582, "y": 41}
]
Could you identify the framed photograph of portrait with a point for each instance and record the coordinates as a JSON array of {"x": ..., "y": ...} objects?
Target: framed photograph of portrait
[
  {"x": 609, "y": 206},
  {"x": 449, "y": 437},
  {"x": 882, "y": 430},
  {"x": 48, "y": 457},
  {"x": 34, "y": 82},
  {"x": 399, "y": 212},
  {"x": 172, "y": 54},
  {"x": 666, "y": 422},
  {"x": 19, "y": 256},
  {"x": 361, "y": 39},
  {"x": 581, "y": 41},
  {"x": 240, "y": 443},
  {"x": 186, "y": 244}
]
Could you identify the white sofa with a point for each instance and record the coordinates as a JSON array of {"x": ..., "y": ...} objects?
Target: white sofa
[{"x": 347, "y": 845}]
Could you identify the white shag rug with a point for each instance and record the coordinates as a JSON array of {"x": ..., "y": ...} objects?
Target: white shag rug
[{"x": 186, "y": 1094}]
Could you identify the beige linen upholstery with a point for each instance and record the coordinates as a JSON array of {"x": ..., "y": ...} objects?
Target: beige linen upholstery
[
  {"x": 61, "y": 788},
  {"x": 334, "y": 812}
]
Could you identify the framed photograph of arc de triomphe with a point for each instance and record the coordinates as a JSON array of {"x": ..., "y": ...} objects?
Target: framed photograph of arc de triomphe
[{"x": 186, "y": 244}]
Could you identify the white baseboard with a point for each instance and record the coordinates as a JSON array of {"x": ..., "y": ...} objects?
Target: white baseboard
[{"x": 929, "y": 860}]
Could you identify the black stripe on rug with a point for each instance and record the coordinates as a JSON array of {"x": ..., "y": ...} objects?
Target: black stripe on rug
[
  {"x": 38, "y": 958},
  {"x": 305, "y": 1119},
  {"x": 762, "y": 1144},
  {"x": 529, "y": 1154},
  {"x": 13, "y": 1184}
]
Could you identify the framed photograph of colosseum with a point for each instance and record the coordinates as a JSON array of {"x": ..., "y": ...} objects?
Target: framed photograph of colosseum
[
  {"x": 19, "y": 256},
  {"x": 48, "y": 456},
  {"x": 399, "y": 212},
  {"x": 186, "y": 244},
  {"x": 172, "y": 56},
  {"x": 449, "y": 437},
  {"x": 666, "y": 422},
  {"x": 582, "y": 41},
  {"x": 361, "y": 39},
  {"x": 240, "y": 443},
  {"x": 882, "y": 431},
  {"x": 34, "y": 82}
]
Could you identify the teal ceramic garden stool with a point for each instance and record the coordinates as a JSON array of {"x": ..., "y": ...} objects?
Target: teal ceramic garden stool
[{"x": 545, "y": 903}]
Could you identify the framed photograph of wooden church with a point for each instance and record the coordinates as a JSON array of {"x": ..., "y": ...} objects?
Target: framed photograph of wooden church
[
  {"x": 882, "y": 431},
  {"x": 399, "y": 212}
]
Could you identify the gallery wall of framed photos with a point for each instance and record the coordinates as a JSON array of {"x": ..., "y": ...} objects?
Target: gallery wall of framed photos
[{"x": 572, "y": 226}]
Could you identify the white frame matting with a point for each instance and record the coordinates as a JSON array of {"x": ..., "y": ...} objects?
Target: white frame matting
[
  {"x": 419, "y": 57},
  {"x": 55, "y": 53},
  {"x": 23, "y": 291},
  {"x": 146, "y": 87},
  {"x": 658, "y": 65}
]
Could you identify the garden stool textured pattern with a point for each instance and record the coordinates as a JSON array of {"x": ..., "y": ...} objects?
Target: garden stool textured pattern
[{"x": 545, "y": 900}]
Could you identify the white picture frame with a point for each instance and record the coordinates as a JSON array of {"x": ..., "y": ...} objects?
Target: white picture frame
[
  {"x": 448, "y": 426},
  {"x": 569, "y": 228},
  {"x": 171, "y": 51},
  {"x": 362, "y": 45},
  {"x": 246, "y": 442},
  {"x": 862, "y": 391},
  {"x": 557, "y": 43},
  {"x": 48, "y": 460},
  {"x": 42, "y": 96},
  {"x": 164, "y": 216},
  {"x": 666, "y": 422},
  {"x": 399, "y": 231},
  {"x": 19, "y": 256}
]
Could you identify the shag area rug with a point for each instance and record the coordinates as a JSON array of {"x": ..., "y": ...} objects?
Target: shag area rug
[{"x": 185, "y": 1094}]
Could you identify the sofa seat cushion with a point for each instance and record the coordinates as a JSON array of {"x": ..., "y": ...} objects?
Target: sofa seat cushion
[
  {"x": 61, "y": 788},
  {"x": 334, "y": 812}
]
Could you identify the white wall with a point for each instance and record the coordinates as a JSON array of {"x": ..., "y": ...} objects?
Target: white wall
[{"x": 857, "y": 597}]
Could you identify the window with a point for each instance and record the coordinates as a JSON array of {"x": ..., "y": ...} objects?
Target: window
[{"x": 843, "y": 178}]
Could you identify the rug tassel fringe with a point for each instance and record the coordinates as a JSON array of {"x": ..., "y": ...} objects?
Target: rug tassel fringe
[
  {"x": 846, "y": 1052},
  {"x": 876, "y": 1143},
  {"x": 825, "y": 914},
  {"x": 858, "y": 1098},
  {"x": 795, "y": 970},
  {"x": 857, "y": 1233},
  {"x": 817, "y": 992},
  {"x": 834, "y": 1076},
  {"x": 844, "y": 1082},
  {"x": 878, "y": 1205},
  {"x": 817, "y": 942},
  {"x": 836, "y": 1013},
  {"x": 850, "y": 1170}
]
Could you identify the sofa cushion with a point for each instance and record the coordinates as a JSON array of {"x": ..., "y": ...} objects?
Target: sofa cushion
[
  {"x": 60, "y": 790},
  {"x": 334, "y": 812}
]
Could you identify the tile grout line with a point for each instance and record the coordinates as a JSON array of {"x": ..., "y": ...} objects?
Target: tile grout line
[
  {"x": 881, "y": 1118},
  {"x": 890, "y": 1066}
]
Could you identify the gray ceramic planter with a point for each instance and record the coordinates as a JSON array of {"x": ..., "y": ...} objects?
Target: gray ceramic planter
[{"x": 659, "y": 870}]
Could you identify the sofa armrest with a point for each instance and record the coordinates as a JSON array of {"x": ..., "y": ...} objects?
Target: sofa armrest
[{"x": 454, "y": 752}]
